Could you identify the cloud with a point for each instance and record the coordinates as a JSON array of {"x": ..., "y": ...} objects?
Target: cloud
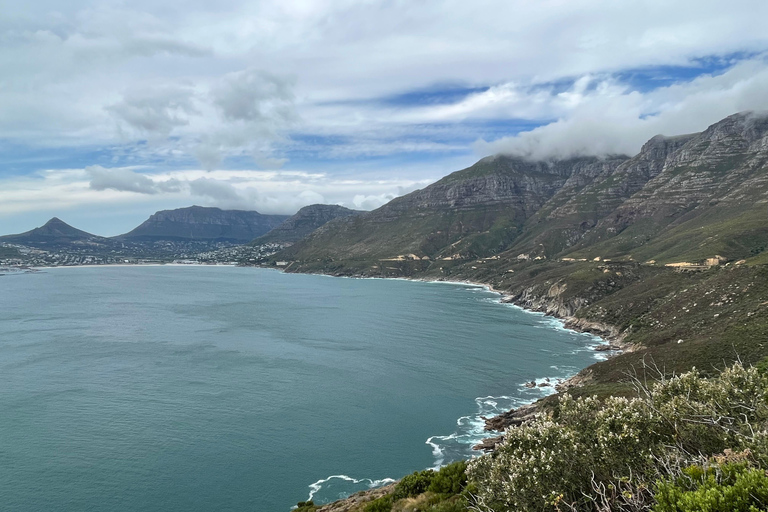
[
  {"x": 255, "y": 95},
  {"x": 363, "y": 202},
  {"x": 126, "y": 180},
  {"x": 221, "y": 192},
  {"x": 98, "y": 189},
  {"x": 612, "y": 118},
  {"x": 154, "y": 112},
  {"x": 320, "y": 86}
]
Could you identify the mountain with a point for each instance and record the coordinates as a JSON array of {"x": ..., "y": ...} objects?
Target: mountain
[
  {"x": 55, "y": 233},
  {"x": 686, "y": 197},
  {"x": 304, "y": 222},
  {"x": 204, "y": 224},
  {"x": 471, "y": 212},
  {"x": 664, "y": 251}
]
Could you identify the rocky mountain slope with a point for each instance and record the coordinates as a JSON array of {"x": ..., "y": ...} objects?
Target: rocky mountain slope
[
  {"x": 651, "y": 206},
  {"x": 469, "y": 213},
  {"x": 304, "y": 222},
  {"x": 200, "y": 223},
  {"x": 665, "y": 251}
]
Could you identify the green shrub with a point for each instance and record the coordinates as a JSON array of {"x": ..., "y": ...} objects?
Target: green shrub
[
  {"x": 726, "y": 488},
  {"x": 413, "y": 484},
  {"x": 450, "y": 479},
  {"x": 383, "y": 504},
  {"x": 762, "y": 366},
  {"x": 305, "y": 506},
  {"x": 589, "y": 454}
]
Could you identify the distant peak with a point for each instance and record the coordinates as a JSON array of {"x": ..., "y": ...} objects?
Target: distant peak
[{"x": 55, "y": 220}]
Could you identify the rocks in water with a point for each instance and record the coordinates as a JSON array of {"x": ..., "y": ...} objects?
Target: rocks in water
[
  {"x": 605, "y": 347},
  {"x": 488, "y": 444},
  {"x": 513, "y": 417},
  {"x": 356, "y": 501}
]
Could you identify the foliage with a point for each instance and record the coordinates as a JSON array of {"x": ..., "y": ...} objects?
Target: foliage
[
  {"x": 413, "y": 484},
  {"x": 450, "y": 479},
  {"x": 587, "y": 454},
  {"x": 731, "y": 487},
  {"x": 762, "y": 366},
  {"x": 305, "y": 506},
  {"x": 383, "y": 504}
]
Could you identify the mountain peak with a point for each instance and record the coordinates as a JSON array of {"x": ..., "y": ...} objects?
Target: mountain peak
[
  {"x": 53, "y": 231},
  {"x": 55, "y": 221}
]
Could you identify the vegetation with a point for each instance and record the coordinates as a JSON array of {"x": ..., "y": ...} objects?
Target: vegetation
[
  {"x": 636, "y": 453},
  {"x": 730, "y": 487}
]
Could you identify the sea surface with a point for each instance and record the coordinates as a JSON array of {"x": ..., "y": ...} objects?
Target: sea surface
[{"x": 174, "y": 388}]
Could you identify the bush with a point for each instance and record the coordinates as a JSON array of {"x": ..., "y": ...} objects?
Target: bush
[
  {"x": 413, "y": 484},
  {"x": 608, "y": 455},
  {"x": 733, "y": 487},
  {"x": 305, "y": 506},
  {"x": 383, "y": 504},
  {"x": 451, "y": 479}
]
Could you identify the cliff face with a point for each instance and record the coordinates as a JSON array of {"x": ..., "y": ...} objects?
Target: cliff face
[
  {"x": 199, "y": 223},
  {"x": 469, "y": 213},
  {"x": 306, "y": 220},
  {"x": 650, "y": 206}
]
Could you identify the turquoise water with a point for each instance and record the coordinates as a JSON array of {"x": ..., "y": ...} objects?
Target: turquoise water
[{"x": 219, "y": 388}]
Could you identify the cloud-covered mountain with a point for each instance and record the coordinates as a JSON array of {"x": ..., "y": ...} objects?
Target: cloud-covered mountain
[{"x": 684, "y": 198}]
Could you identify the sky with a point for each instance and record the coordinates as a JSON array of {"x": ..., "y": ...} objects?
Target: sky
[{"x": 112, "y": 110}]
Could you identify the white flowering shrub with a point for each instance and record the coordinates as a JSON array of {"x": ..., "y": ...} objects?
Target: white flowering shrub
[{"x": 609, "y": 455}]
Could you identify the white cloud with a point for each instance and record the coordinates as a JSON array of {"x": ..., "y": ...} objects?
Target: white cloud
[
  {"x": 126, "y": 180},
  {"x": 153, "y": 113},
  {"x": 613, "y": 119},
  {"x": 69, "y": 68},
  {"x": 267, "y": 79}
]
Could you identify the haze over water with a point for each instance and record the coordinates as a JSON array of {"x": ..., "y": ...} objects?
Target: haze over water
[{"x": 219, "y": 388}]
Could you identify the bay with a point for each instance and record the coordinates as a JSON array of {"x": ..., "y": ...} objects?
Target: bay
[{"x": 175, "y": 388}]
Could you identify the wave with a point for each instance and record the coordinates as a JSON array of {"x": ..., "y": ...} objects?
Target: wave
[{"x": 349, "y": 486}]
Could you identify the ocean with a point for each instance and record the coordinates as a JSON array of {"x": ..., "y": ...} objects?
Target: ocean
[{"x": 198, "y": 388}]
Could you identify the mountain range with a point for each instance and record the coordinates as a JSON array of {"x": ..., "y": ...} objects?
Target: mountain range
[
  {"x": 687, "y": 197},
  {"x": 183, "y": 231}
]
